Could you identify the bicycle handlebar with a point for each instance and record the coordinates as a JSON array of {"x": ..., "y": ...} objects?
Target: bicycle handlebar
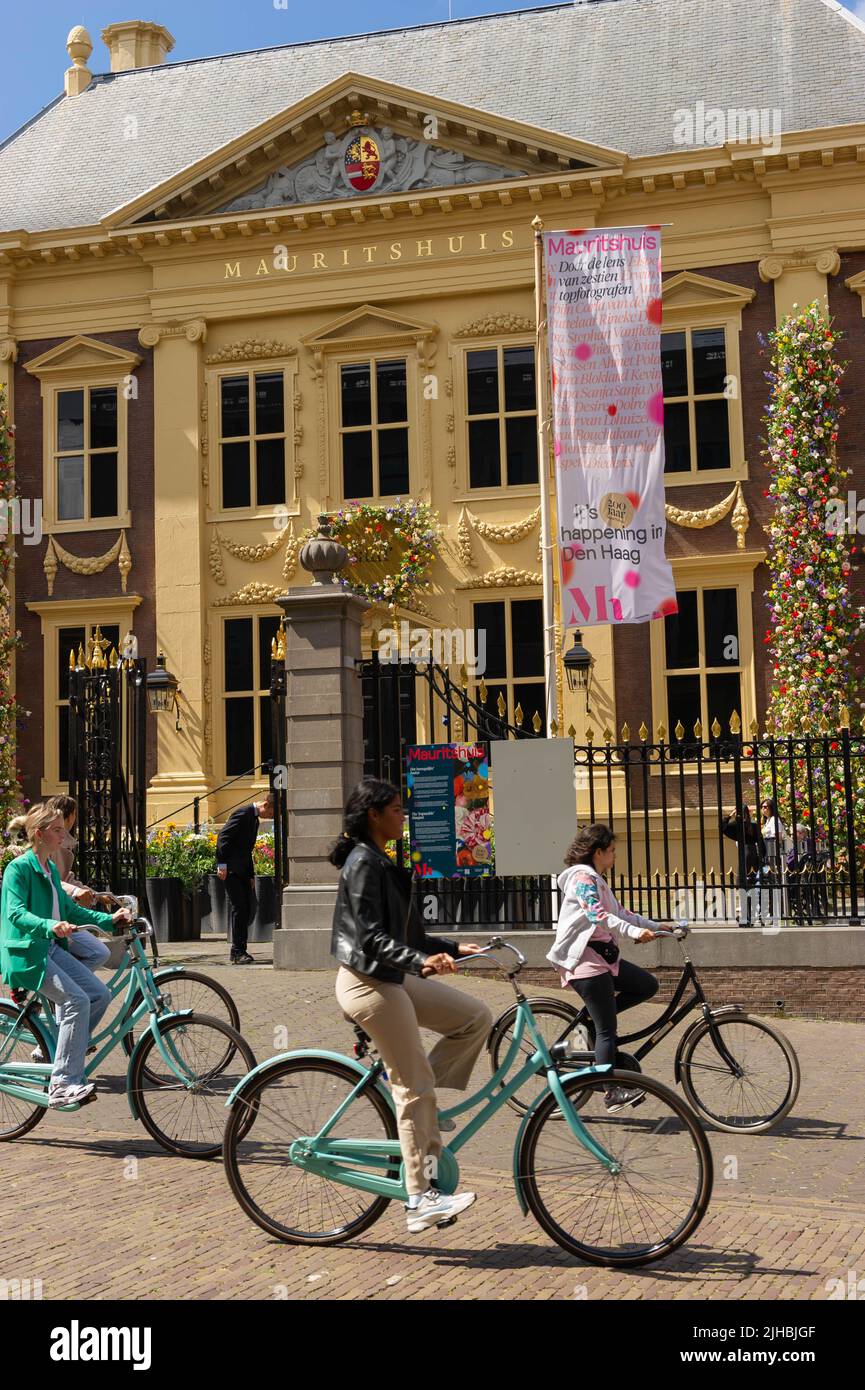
[{"x": 495, "y": 943}]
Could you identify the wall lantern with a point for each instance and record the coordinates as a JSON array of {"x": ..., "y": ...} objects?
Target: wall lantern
[
  {"x": 162, "y": 691},
  {"x": 578, "y": 663}
]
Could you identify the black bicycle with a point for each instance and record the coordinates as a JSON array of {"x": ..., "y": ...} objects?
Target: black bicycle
[{"x": 738, "y": 1072}]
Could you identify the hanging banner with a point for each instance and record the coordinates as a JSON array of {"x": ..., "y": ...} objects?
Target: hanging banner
[
  {"x": 603, "y": 290},
  {"x": 450, "y": 826}
]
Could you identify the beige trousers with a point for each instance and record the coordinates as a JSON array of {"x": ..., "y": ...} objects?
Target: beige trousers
[{"x": 392, "y": 1015}]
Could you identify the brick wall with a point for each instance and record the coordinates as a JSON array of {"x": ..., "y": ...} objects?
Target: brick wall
[
  {"x": 812, "y": 992},
  {"x": 30, "y": 582}
]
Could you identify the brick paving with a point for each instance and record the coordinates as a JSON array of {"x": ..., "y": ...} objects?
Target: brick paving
[{"x": 164, "y": 1227}]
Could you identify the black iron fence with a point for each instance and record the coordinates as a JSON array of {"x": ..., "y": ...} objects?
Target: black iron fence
[{"x": 685, "y": 848}]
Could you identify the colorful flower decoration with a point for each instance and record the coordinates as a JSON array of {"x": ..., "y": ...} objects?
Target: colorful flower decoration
[
  {"x": 815, "y": 626},
  {"x": 391, "y": 548}
]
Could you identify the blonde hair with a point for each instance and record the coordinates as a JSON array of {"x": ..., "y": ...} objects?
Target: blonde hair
[{"x": 39, "y": 817}]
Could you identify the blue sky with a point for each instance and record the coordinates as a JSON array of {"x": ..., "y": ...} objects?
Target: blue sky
[{"x": 34, "y": 34}]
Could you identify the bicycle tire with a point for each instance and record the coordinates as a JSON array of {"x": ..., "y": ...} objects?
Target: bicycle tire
[
  {"x": 628, "y": 1123},
  {"x": 498, "y": 1041},
  {"x": 36, "y": 1038},
  {"x": 195, "y": 976},
  {"x": 145, "y": 1092},
  {"x": 250, "y": 1098},
  {"x": 759, "y": 1124}
]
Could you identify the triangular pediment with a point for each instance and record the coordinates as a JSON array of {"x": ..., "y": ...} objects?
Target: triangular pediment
[
  {"x": 299, "y": 158},
  {"x": 688, "y": 291},
  {"x": 368, "y": 326},
  {"x": 80, "y": 356}
]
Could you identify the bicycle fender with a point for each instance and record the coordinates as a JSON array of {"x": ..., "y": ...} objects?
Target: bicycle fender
[
  {"x": 308, "y": 1052},
  {"x": 563, "y": 1076},
  {"x": 692, "y": 1028},
  {"x": 133, "y": 1107}
]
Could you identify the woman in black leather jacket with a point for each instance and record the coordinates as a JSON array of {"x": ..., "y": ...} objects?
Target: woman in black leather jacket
[{"x": 384, "y": 984}]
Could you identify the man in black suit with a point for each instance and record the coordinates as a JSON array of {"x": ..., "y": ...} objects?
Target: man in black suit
[{"x": 234, "y": 846}]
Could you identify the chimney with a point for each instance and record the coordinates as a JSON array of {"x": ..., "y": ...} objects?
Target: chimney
[
  {"x": 79, "y": 46},
  {"x": 136, "y": 43}
]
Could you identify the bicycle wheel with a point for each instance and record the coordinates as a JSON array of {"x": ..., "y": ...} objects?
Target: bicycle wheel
[
  {"x": 767, "y": 1088},
  {"x": 554, "y": 1018},
  {"x": 290, "y": 1099},
  {"x": 188, "y": 1120},
  {"x": 650, "y": 1206},
  {"x": 188, "y": 989},
  {"x": 18, "y": 1116}
]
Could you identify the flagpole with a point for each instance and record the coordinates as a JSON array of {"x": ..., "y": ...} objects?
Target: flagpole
[{"x": 544, "y": 476}]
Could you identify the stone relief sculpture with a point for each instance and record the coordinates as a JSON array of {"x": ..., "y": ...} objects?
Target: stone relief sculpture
[{"x": 368, "y": 160}]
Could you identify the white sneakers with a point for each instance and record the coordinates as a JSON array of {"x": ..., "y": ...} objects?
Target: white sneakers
[
  {"x": 619, "y": 1097},
  {"x": 70, "y": 1095},
  {"x": 436, "y": 1209}
]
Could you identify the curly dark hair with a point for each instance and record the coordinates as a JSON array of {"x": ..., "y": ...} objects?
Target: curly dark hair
[
  {"x": 369, "y": 795},
  {"x": 589, "y": 839}
]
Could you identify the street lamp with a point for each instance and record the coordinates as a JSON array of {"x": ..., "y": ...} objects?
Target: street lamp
[
  {"x": 162, "y": 691},
  {"x": 578, "y": 663}
]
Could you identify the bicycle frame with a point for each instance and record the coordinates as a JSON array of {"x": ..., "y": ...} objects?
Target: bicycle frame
[
  {"x": 14, "y": 1076},
  {"x": 332, "y": 1158}
]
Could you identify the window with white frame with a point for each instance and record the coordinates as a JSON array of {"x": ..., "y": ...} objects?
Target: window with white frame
[
  {"x": 246, "y": 692},
  {"x": 86, "y": 453}
]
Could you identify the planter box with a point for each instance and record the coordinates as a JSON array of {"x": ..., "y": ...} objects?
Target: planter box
[
  {"x": 194, "y": 906},
  {"x": 214, "y": 907},
  {"x": 262, "y": 925},
  {"x": 170, "y": 915}
]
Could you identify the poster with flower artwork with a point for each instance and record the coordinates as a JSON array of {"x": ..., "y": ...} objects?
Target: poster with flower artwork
[
  {"x": 603, "y": 293},
  {"x": 450, "y": 824}
]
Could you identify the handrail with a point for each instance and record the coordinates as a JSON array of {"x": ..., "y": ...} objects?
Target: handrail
[{"x": 210, "y": 790}]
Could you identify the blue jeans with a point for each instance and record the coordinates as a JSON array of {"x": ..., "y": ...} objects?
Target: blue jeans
[
  {"x": 81, "y": 1001},
  {"x": 88, "y": 948}
]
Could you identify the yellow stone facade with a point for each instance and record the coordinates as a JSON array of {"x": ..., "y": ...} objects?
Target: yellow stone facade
[{"x": 426, "y": 275}]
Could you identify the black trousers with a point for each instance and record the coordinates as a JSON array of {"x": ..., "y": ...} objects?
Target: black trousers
[
  {"x": 241, "y": 905},
  {"x": 608, "y": 995}
]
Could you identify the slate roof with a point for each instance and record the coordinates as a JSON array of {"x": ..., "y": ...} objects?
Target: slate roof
[{"x": 608, "y": 71}]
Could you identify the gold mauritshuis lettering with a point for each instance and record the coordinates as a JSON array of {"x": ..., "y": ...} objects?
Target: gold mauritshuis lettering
[{"x": 376, "y": 254}]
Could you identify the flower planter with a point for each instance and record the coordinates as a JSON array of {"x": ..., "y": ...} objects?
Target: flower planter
[
  {"x": 170, "y": 916},
  {"x": 214, "y": 907},
  {"x": 262, "y": 925},
  {"x": 195, "y": 903}
]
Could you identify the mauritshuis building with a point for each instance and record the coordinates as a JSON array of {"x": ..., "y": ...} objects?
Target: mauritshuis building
[{"x": 217, "y": 321}]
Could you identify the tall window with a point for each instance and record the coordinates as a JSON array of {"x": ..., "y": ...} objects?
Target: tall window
[
  {"x": 252, "y": 439},
  {"x": 247, "y": 692},
  {"x": 703, "y": 669},
  {"x": 502, "y": 417},
  {"x": 374, "y": 428},
  {"x": 696, "y": 412},
  {"x": 69, "y": 639},
  {"x": 85, "y": 453},
  {"x": 511, "y": 630}
]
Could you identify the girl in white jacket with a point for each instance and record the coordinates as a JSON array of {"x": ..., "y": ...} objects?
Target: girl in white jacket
[{"x": 586, "y": 954}]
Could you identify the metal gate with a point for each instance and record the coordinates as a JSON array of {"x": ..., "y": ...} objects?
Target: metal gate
[{"x": 108, "y": 766}]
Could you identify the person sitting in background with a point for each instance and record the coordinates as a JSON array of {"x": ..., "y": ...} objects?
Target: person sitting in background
[{"x": 234, "y": 845}]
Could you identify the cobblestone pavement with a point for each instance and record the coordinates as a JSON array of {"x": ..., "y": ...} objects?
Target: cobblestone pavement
[{"x": 90, "y": 1224}]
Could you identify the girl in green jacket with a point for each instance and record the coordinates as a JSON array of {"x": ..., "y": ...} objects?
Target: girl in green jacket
[{"x": 36, "y": 916}]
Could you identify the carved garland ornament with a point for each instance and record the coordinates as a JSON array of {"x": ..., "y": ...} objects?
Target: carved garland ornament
[
  {"x": 502, "y": 578},
  {"x": 709, "y": 516},
  {"x": 496, "y": 323},
  {"x": 55, "y": 556},
  {"x": 488, "y": 531},
  {"x": 248, "y": 350},
  {"x": 253, "y": 554},
  {"x": 251, "y": 593}
]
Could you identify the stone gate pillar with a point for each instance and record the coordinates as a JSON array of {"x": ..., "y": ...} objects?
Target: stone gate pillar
[{"x": 324, "y": 747}]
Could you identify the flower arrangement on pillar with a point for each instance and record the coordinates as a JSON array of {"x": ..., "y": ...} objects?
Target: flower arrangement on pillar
[
  {"x": 11, "y": 713},
  {"x": 813, "y": 639},
  {"x": 391, "y": 548}
]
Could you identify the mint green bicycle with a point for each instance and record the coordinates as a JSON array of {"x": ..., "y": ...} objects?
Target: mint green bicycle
[
  {"x": 182, "y": 1064},
  {"x": 312, "y": 1155}
]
